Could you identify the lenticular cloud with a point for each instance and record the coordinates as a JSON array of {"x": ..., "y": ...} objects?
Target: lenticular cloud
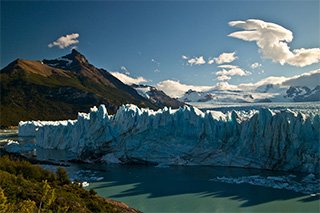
[
  {"x": 272, "y": 40},
  {"x": 65, "y": 41}
]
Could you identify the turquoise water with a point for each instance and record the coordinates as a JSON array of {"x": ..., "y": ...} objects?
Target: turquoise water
[{"x": 190, "y": 189}]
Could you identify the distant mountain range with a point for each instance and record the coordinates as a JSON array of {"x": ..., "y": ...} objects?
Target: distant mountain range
[
  {"x": 300, "y": 89},
  {"x": 300, "y": 94},
  {"x": 60, "y": 88},
  {"x": 156, "y": 96}
]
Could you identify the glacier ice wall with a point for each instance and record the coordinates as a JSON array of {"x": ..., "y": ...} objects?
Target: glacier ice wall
[{"x": 276, "y": 140}]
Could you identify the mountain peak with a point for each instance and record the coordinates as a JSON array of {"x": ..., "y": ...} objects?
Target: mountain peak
[
  {"x": 72, "y": 61},
  {"x": 75, "y": 51},
  {"x": 76, "y": 56}
]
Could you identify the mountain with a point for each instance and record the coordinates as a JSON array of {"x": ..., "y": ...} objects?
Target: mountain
[
  {"x": 60, "y": 88},
  {"x": 156, "y": 96},
  {"x": 227, "y": 96},
  {"x": 265, "y": 93},
  {"x": 301, "y": 94},
  {"x": 304, "y": 87}
]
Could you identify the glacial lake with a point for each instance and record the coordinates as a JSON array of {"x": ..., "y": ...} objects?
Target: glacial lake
[{"x": 193, "y": 188}]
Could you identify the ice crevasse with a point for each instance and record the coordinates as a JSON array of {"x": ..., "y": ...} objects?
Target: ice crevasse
[{"x": 266, "y": 139}]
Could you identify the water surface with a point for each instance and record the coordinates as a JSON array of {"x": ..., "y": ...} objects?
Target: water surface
[{"x": 190, "y": 189}]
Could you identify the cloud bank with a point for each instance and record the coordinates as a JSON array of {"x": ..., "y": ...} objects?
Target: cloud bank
[
  {"x": 65, "y": 41},
  {"x": 128, "y": 79},
  {"x": 310, "y": 79},
  {"x": 176, "y": 89},
  {"x": 272, "y": 40}
]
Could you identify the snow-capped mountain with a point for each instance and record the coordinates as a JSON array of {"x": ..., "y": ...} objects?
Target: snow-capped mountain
[
  {"x": 228, "y": 96},
  {"x": 300, "y": 94},
  {"x": 157, "y": 96},
  {"x": 296, "y": 89}
]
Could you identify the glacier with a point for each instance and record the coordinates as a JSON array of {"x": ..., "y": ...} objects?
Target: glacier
[{"x": 266, "y": 139}]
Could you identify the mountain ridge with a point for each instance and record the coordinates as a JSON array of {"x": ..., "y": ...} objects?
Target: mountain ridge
[
  {"x": 60, "y": 88},
  {"x": 301, "y": 88}
]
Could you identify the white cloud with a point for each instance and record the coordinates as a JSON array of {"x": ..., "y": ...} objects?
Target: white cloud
[
  {"x": 177, "y": 89},
  {"x": 157, "y": 65},
  {"x": 65, "y": 41},
  {"x": 223, "y": 78},
  {"x": 155, "y": 61},
  {"x": 272, "y": 40},
  {"x": 226, "y": 58},
  {"x": 225, "y": 86},
  {"x": 304, "y": 57},
  {"x": 228, "y": 66},
  {"x": 255, "y": 65},
  {"x": 310, "y": 79},
  {"x": 128, "y": 79},
  {"x": 194, "y": 61},
  {"x": 210, "y": 61},
  {"x": 276, "y": 80},
  {"x": 125, "y": 70},
  {"x": 230, "y": 70}
]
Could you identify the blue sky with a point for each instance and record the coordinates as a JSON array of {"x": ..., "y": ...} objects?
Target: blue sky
[{"x": 149, "y": 38}]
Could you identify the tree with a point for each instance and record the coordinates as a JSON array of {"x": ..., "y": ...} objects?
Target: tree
[
  {"x": 62, "y": 176},
  {"x": 3, "y": 201},
  {"x": 48, "y": 197}
]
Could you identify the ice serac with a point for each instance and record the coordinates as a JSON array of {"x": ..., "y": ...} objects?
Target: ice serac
[{"x": 276, "y": 140}]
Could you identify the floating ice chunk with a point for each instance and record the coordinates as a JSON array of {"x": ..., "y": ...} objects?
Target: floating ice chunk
[
  {"x": 85, "y": 184},
  {"x": 12, "y": 146},
  {"x": 15, "y": 147},
  {"x": 162, "y": 165},
  {"x": 99, "y": 178},
  {"x": 276, "y": 182}
]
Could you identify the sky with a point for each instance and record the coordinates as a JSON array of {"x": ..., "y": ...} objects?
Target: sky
[{"x": 191, "y": 42}]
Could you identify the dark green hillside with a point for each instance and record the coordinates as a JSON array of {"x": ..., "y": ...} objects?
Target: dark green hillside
[
  {"x": 54, "y": 90},
  {"x": 28, "y": 188}
]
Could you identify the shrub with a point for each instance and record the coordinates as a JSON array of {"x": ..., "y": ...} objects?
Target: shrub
[{"x": 29, "y": 188}]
